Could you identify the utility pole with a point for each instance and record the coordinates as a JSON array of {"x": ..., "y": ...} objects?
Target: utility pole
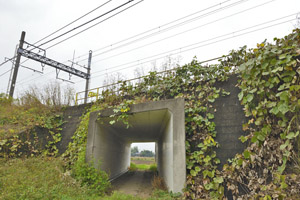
[
  {"x": 46, "y": 61},
  {"x": 88, "y": 77},
  {"x": 17, "y": 65}
]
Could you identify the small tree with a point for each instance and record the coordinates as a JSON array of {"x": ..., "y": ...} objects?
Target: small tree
[
  {"x": 146, "y": 153},
  {"x": 134, "y": 151}
]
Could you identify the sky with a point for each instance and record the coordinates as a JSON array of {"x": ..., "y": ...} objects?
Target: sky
[{"x": 145, "y": 36}]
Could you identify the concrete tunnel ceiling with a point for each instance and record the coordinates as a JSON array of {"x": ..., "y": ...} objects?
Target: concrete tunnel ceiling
[
  {"x": 144, "y": 126},
  {"x": 161, "y": 122}
]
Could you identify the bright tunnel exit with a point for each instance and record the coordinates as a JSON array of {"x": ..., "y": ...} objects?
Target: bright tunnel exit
[{"x": 143, "y": 156}]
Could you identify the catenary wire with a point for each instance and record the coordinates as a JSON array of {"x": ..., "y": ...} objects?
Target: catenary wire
[
  {"x": 152, "y": 29},
  {"x": 77, "y": 27},
  {"x": 79, "y": 18},
  {"x": 67, "y": 26},
  {"x": 191, "y": 49},
  {"x": 209, "y": 23},
  {"x": 94, "y": 25},
  {"x": 161, "y": 25},
  {"x": 155, "y": 28},
  {"x": 89, "y": 28},
  {"x": 5, "y": 73},
  {"x": 8, "y": 60},
  {"x": 160, "y": 31},
  {"x": 182, "y": 51}
]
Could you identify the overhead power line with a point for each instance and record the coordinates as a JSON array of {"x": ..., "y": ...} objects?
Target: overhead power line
[
  {"x": 214, "y": 42},
  {"x": 4, "y": 73},
  {"x": 192, "y": 48},
  {"x": 67, "y": 25},
  {"x": 153, "y": 29},
  {"x": 91, "y": 27},
  {"x": 8, "y": 60},
  {"x": 219, "y": 4},
  {"x": 79, "y": 18},
  {"x": 202, "y": 45},
  {"x": 77, "y": 27},
  {"x": 172, "y": 27},
  {"x": 94, "y": 25},
  {"x": 160, "y": 40}
]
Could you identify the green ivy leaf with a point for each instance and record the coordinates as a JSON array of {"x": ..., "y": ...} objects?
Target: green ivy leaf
[
  {"x": 116, "y": 110},
  {"x": 271, "y": 104},
  {"x": 210, "y": 116},
  {"x": 267, "y": 197},
  {"x": 261, "y": 137},
  {"x": 283, "y": 108},
  {"x": 292, "y": 135},
  {"x": 240, "y": 95},
  {"x": 243, "y": 139},
  {"x": 282, "y": 56},
  {"x": 249, "y": 97},
  {"x": 283, "y": 146},
  {"x": 281, "y": 168},
  {"x": 242, "y": 67},
  {"x": 295, "y": 88},
  {"x": 247, "y": 154},
  {"x": 193, "y": 173},
  {"x": 218, "y": 180},
  {"x": 217, "y": 161},
  {"x": 284, "y": 96},
  {"x": 274, "y": 110},
  {"x": 264, "y": 66},
  {"x": 209, "y": 186}
]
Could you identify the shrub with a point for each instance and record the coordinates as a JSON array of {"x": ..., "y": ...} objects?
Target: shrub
[
  {"x": 158, "y": 183},
  {"x": 153, "y": 168},
  {"x": 132, "y": 167},
  {"x": 87, "y": 174}
]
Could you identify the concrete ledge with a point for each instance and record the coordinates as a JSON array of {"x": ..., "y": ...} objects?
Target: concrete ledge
[{"x": 162, "y": 122}]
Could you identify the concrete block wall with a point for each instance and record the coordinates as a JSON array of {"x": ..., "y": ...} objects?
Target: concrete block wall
[
  {"x": 229, "y": 120},
  {"x": 71, "y": 118}
]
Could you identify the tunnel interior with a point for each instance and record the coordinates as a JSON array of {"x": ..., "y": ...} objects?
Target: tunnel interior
[{"x": 160, "y": 122}]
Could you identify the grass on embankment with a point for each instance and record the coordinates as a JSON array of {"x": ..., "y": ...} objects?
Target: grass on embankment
[
  {"x": 143, "y": 163},
  {"x": 39, "y": 178},
  {"x": 143, "y": 167},
  {"x": 44, "y": 178}
]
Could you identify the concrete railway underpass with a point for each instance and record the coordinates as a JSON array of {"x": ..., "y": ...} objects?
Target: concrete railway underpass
[{"x": 161, "y": 122}]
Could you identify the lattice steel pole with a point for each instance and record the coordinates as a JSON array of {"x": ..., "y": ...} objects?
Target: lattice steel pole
[
  {"x": 17, "y": 65},
  {"x": 88, "y": 78}
]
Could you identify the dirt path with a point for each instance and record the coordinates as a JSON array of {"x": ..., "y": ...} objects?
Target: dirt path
[{"x": 136, "y": 183}]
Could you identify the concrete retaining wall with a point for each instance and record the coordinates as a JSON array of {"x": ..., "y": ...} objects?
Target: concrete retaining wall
[{"x": 229, "y": 120}]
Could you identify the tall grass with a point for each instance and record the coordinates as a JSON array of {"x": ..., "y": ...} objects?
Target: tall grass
[
  {"x": 51, "y": 94},
  {"x": 33, "y": 108},
  {"x": 39, "y": 178}
]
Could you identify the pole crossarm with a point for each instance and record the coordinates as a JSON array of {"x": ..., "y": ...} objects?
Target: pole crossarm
[{"x": 52, "y": 63}]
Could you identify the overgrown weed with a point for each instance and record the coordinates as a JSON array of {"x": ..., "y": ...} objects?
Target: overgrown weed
[
  {"x": 158, "y": 183},
  {"x": 39, "y": 178}
]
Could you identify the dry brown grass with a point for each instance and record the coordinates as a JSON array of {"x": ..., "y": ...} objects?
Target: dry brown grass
[{"x": 158, "y": 183}]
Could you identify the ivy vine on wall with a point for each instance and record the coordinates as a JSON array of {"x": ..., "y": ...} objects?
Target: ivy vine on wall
[{"x": 269, "y": 79}]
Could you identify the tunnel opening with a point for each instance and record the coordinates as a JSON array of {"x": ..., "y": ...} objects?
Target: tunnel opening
[
  {"x": 161, "y": 122},
  {"x": 142, "y": 156}
]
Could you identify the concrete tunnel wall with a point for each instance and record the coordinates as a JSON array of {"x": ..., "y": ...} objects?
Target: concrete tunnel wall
[
  {"x": 165, "y": 153},
  {"x": 161, "y": 122},
  {"x": 106, "y": 149}
]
